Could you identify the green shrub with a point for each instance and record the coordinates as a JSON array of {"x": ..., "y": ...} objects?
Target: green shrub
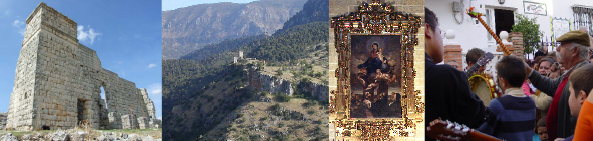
[
  {"x": 310, "y": 112},
  {"x": 282, "y": 97}
]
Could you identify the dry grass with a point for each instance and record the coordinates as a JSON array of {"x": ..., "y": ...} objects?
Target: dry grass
[{"x": 256, "y": 115}]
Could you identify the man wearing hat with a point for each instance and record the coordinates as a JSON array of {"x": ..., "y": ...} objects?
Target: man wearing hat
[{"x": 572, "y": 53}]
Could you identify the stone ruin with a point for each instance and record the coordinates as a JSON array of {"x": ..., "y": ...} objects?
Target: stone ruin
[{"x": 58, "y": 83}]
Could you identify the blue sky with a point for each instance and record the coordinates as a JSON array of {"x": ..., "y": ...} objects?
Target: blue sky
[
  {"x": 125, "y": 34},
  {"x": 174, "y": 4}
]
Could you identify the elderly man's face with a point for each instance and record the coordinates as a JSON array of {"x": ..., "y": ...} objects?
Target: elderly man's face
[{"x": 563, "y": 53}]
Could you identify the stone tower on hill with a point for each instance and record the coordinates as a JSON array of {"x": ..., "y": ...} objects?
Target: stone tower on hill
[{"x": 58, "y": 82}]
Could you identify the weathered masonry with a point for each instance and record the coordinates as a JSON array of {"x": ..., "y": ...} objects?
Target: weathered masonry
[{"x": 58, "y": 83}]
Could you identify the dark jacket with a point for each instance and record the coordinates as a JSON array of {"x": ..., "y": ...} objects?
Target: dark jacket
[
  {"x": 449, "y": 97},
  {"x": 566, "y": 122}
]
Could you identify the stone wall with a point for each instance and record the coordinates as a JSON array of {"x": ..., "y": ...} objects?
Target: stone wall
[
  {"x": 264, "y": 82},
  {"x": 149, "y": 104},
  {"x": 3, "y": 117},
  {"x": 316, "y": 90},
  {"x": 129, "y": 122},
  {"x": 143, "y": 123},
  {"x": 58, "y": 81},
  {"x": 269, "y": 83}
]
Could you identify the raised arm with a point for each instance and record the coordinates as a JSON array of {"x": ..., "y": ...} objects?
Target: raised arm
[{"x": 545, "y": 84}]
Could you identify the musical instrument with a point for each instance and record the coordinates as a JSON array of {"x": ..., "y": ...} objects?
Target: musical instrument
[
  {"x": 449, "y": 131},
  {"x": 474, "y": 14},
  {"x": 483, "y": 85},
  {"x": 481, "y": 62}
]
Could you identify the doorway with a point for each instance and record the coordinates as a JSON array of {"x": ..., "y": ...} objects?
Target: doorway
[
  {"x": 81, "y": 110},
  {"x": 504, "y": 20}
]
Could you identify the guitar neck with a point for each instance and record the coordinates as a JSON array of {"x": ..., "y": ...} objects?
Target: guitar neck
[
  {"x": 472, "y": 69},
  {"x": 478, "y": 136}
]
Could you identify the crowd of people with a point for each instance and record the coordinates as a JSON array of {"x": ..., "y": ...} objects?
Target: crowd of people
[{"x": 543, "y": 99}]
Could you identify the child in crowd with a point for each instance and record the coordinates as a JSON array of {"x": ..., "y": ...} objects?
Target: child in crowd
[
  {"x": 581, "y": 83},
  {"x": 511, "y": 116},
  {"x": 541, "y": 130}
]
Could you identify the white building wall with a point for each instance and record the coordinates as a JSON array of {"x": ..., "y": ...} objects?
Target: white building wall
[{"x": 472, "y": 35}]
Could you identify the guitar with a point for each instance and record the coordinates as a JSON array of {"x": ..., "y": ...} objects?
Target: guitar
[
  {"x": 448, "y": 131},
  {"x": 481, "y": 62}
]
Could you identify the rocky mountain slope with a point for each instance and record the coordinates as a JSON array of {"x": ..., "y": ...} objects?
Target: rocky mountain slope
[
  {"x": 248, "y": 105},
  {"x": 182, "y": 78},
  {"x": 190, "y": 28},
  {"x": 313, "y": 10},
  {"x": 207, "y": 97}
]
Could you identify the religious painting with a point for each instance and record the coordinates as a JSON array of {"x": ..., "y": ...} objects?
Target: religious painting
[
  {"x": 377, "y": 96},
  {"x": 376, "y": 79}
]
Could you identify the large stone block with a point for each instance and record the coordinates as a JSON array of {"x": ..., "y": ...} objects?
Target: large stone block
[
  {"x": 129, "y": 122},
  {"x": 114, "y": 120},
  {"x": 143, "y": 123}
]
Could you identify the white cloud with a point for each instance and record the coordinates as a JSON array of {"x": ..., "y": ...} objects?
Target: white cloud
[
  {"x": 20, "y": 25},
  {"x": 88, "y": 35},
  {"x": 155, "y": 89},
  {"x": 151, "y": 65}
]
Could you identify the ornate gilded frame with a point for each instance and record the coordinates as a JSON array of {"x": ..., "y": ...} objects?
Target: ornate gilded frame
[{"x": 375, "y": 19}]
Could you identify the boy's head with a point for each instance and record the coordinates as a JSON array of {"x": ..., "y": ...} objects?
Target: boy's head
[
  {"x": 472, "y": 57},
  {"x": 511, "y": 72},
  {"x": 541, "y": 129},
  {"x": 581, "y": 83}
]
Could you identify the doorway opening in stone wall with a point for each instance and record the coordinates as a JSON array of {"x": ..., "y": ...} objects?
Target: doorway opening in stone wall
[{"x": 81, "y": 110}]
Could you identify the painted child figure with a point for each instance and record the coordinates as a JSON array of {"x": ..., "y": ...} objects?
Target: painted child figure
[{"x": 512, "y": 116}]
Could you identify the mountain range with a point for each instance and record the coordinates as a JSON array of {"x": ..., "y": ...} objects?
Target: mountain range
[{"x": 190, "y": 28}]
